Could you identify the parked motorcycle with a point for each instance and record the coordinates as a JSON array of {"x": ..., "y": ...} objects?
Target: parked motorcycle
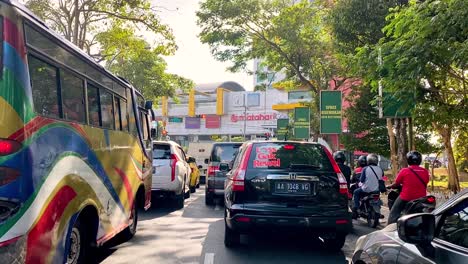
[
  {"x": 369, "y": 209},
  {"x": 424, "y": 204}
]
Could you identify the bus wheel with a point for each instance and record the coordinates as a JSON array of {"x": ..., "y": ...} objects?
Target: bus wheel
[
  {"x": 130, "y": 231},
  {"x": 79, "y": 245}
]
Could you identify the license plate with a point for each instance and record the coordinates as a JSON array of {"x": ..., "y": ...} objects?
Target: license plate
[{"x": 292, "y": 188}]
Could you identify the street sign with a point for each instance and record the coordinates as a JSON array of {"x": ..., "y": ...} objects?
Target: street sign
[
  {"x": 330, "y": 112},
  {"x": 176, "y": 120},
  {"x": 302, "y": 122},
  {"x": 393, "y": 107},
  {"x": 282, "y": 127}
]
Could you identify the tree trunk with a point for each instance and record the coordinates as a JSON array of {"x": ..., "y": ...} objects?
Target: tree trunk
[
  {"x": 76, "y": 24},
  {"x": 453, "y": 181},
  {"x": 402, "y": 145},
  {"x": 393, "y": 151}
]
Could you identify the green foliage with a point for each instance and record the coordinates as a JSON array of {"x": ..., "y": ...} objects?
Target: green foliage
[
  {"x": 461, "y": 150},
  {"x": 290, "y": 38},
  {"x": 367, "y": 132},
  {"x": 107, "y": 30}
]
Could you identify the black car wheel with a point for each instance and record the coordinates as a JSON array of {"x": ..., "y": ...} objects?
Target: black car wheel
[
  {"x": 373, "y": 218},
  {"x": 193, "y": 189},
  {"x": 231, "y": 237},
  {"x": 336, "y": 243},
  {"x": 209, "y": 199}
]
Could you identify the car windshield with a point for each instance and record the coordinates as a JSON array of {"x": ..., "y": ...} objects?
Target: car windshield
[
  {"x": 295, "y": 156},
  {"x": 224, "y": 152}
]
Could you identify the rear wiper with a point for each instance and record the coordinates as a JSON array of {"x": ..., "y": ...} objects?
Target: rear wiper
[{"x": 303, "y": 166}]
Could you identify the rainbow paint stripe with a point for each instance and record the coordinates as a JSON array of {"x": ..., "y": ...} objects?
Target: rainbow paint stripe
[{"x": 63, "y": 167}]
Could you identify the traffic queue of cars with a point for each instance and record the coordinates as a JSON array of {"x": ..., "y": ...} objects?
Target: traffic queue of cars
[{"x": 285, "y": 185}]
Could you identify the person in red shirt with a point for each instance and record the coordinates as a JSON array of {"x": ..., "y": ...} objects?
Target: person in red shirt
[{"x": 413, "y": 181}]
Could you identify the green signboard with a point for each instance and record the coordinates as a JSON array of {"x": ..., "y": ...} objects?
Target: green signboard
[
  {"x": 302, "y": 122},
  {"x": 330, "y": 112},
  {"x": 282, "y": 128},
  {"x": 176, "y": 120},
  {"x": 394, "y": 107}
]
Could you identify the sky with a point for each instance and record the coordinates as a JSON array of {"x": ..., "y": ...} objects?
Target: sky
[{"x": 193, "y": 59}]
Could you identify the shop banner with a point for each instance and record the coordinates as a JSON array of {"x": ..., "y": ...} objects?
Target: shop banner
[
  {"x": 330, "y": 112},
  {"x": 192, "y": 123},
  {"x": 213, "y": 121},
  {"x": 302, "y": 122}
]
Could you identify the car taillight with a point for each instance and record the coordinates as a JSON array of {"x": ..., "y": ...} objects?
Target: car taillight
[
  {"x": 212, "y": 170},
  {"x": 238, "y": 177},
  {"x": 341, "y": 179},
  {"x": 8, "y": 147},
  {"x": 174, "y": 160},
  {"x": 431, "y": 199},
  {"x": 289, "y": 147}
]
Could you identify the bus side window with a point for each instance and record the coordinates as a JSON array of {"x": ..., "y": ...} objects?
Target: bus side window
[
  {"x": 73, "y": 105},
  {"x": 107, "y": 115},
  {"x": 117, "y": 115},
  {"x": 44, "y": 87},
  {"x": 131, "y": 115},
  {"x": 124, "y": 114},
  {"x": 93, "y": 106}
]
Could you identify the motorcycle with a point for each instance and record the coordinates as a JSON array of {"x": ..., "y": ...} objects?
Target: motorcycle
[
  {"x": 424, "y": 204},
  {"x": 369, "y": 209}
]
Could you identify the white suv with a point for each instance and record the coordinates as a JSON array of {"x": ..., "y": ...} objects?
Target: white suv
[{"x": 171, "y": 172}]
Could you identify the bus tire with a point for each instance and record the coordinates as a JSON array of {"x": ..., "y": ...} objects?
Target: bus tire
[
  {"x": 131, "y": 229},
  {"x": 80, "y": 246}
]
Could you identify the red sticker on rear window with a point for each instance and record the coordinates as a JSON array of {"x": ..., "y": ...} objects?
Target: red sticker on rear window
[{"x": 266, "y": 157}]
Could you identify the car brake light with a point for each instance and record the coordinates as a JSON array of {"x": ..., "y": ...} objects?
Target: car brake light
[
  {"x": 174, "y": 160},
  {"x": 289, "y": 147},
  {"x": 212, "y": 170},
  {"x": 238, "y": 178},
  {"x": 8, "y": 147},
  {"x": 341, "y": 179},
  {"x": 431, "y": 199}
]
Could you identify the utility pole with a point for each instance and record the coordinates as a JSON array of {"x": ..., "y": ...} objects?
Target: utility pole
[{"x": 245, "y": 115}]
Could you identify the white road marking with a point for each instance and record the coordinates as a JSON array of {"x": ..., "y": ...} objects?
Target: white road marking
[{"x": 209, "y": 258}]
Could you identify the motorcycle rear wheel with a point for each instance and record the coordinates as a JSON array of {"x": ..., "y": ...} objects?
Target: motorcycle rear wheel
[{"x": 373, "y": 218}]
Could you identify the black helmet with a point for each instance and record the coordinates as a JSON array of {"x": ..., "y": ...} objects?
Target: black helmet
[
  {"x": 339, "y": 156},
  {"x": 372, "y": 159},
  {"x": 414, "y": 158},
  {"x": 362, "y": 161}
]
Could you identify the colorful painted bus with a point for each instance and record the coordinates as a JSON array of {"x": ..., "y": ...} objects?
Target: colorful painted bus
[{"x": 75, "y": 147}]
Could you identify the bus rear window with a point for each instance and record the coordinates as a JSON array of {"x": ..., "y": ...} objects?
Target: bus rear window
[{"x": 289, "y": 155}]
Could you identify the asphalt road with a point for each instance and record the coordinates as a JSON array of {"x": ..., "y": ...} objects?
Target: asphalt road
[{"x": 195, "y": 235}]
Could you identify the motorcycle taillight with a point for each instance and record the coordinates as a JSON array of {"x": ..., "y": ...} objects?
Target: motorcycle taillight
[{"x": 431, "y": 199}]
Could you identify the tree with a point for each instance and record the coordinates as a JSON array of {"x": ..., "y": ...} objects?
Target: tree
[
  {"x": 357, "y": 26},
  {"x": 106, "y": 30},
  {"x": 425, "y": 51},
  {"x": 367, "y": 132},
  {"x": 80, "y": 20},
  {"x": 289, "y": 37}
]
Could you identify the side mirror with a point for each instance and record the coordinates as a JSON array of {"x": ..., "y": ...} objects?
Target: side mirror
[
  {"x": 417, "y": 228},
  {"x": 207, "y": 161},
  {"x": 224, "y": 167},
  {"x": 148, "y": 105},
  {"x": 153, "y": 133}
]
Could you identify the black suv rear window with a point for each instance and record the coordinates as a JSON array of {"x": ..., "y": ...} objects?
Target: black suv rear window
[
  {"x": 224, "y": 152},
  {"x": 289, "y": 156},
  {"x": 161, "y": 151}
]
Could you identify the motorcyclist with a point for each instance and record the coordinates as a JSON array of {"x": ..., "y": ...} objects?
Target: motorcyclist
[
  {"x": 413, "y": 181},
  {"x": 362, "y": 162},
  {"x": 340, "y": 159},
  {"x": 369, "y": 180}
]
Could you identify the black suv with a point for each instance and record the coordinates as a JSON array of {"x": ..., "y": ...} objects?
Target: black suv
[
  {"x": 289, "y": 186},
  {"x": 220, "y": 153}
]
